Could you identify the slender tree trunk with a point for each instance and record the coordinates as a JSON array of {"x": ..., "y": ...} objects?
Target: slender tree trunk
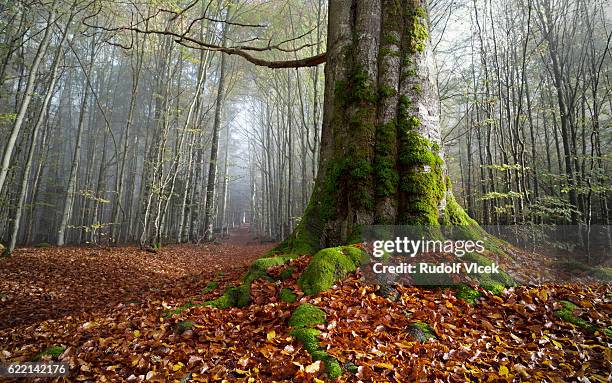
[
  {"x": 209, "y": 217},
  {"x": 19, "y": 120},
  {"x": 72, "y": 179}
]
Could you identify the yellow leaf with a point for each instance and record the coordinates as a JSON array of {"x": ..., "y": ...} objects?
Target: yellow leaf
[
  {"x": 177, "y": 366},
  {"x": 271, "y": 335},
  {"x": 136, "y": 333},
  {"x": 312, "y": 368},
  {"x": 503, "y": 371},
  {"x": 557, "y": 344},
  {"x": 241, "y": 372},
  {"x": 388, "y": 366},
  {"x": 318, "y": 380}
]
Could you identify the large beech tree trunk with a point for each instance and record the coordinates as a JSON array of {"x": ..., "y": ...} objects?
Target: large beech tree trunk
[{"x": 381, "y": 158}]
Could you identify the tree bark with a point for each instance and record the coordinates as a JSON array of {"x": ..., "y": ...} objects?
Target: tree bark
[
  {"x": 381, "y": 160},
  {"x": 10, "y": 145},
  {"x": 209, "y": 209}
]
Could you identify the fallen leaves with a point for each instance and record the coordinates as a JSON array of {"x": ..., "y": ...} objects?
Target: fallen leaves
[{"x": 129, "y": 328}]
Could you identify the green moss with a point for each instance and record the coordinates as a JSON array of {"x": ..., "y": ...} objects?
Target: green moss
[
  {"x": 391, "y": 39},
  {"x": 607, "y": 331},
  {"x": 454, "y": 214},
  {"x": 567, "y": 314},
  {"x": 184, "y": 326},
  {"x": 573, "y": 266},
  {"x": 384, "y": 160},
  {"x": 308, "y": 337},
  {"x": 42, "y": 245},
  {"x": 416, "y": 29},
  {"x": 286, "y": 273},
  {"x": 53, "y": 351},
  {"x": 431, "y": 280},
  {"x": 287, "y": 295},
  {"x": 352, "y": 368},
  {"x": 235, "y": 296},
  {"x": 300, "y": 242},
  {"x": 421, "y": 176},
  {"x": 351, "y": 174},
  {"x": 332, "y": 368},
  {"x": 259, "y": 268},
  {"x": 307, "y": 315},
  {"x": 210, "y": 287},
  {"x": 602, "y": 273},
  {"x": 421, "y": 332},
  {"x": 179, "y": 309},
  {"x": 389, "y": 52},
  {"x": 328, "y": 196},
  {"x": 495, "y": 283},
  {"x": 467, "y": 293},
  {"x": 328, "y": 266}
]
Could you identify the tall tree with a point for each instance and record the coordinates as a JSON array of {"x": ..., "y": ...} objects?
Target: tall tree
[{"x": 381, "y": 159}]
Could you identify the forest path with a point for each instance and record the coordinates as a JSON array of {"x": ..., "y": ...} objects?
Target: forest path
[{"x": 38, "y": 284}]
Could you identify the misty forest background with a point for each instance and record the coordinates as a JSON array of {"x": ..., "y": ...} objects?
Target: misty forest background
[{"x": 109, "y": 135}]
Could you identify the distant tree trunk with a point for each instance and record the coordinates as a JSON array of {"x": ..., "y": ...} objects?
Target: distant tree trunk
[
  {"x": 209, "y": 210},
  {"x": 381, "y": 160},
  {"x": 44, "y": 111},
  {"x": 72, "y": 179},
  {"x": 225, "y": 180},
  {"x": 546, "y": 24},
  {"x": 136, "y": 65}
]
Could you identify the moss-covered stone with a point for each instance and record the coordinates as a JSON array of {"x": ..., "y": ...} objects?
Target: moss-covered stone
[
  {"x": 286, "y": 273},
  {"x": 467, "y": 293},
  {"x": 495, "y": 283},
  {"x": 308, "y": 337},
  {"x": 332, "y": 368},
  {"x": 567, "y": 314},
  {"x": 235, "y": 296},
  {"x": 307, "y": 315},
  {"x": 209, "y": 288},
  {"x": 421, "y": 332},
  {"x": 259, "y": 268},
  {"x": 53, "y": 351},
  {"x": 287, "y": 295},
  {"x": 330, "y": 265}
]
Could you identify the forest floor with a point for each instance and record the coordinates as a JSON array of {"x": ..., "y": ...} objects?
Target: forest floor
[{"x": 122, "y": 314}]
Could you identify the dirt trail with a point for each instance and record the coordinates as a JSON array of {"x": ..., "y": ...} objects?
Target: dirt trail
[{"x": 37, "y": 284}]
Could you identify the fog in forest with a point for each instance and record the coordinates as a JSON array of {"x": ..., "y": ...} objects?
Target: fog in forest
[{"x": 123, "y": 122}]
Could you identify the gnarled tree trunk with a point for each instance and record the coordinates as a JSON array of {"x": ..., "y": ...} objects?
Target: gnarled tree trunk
[{"x": 381, "y": 158}]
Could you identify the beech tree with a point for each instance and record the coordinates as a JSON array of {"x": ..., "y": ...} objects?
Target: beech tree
[{"x": 381, "y": 160}]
